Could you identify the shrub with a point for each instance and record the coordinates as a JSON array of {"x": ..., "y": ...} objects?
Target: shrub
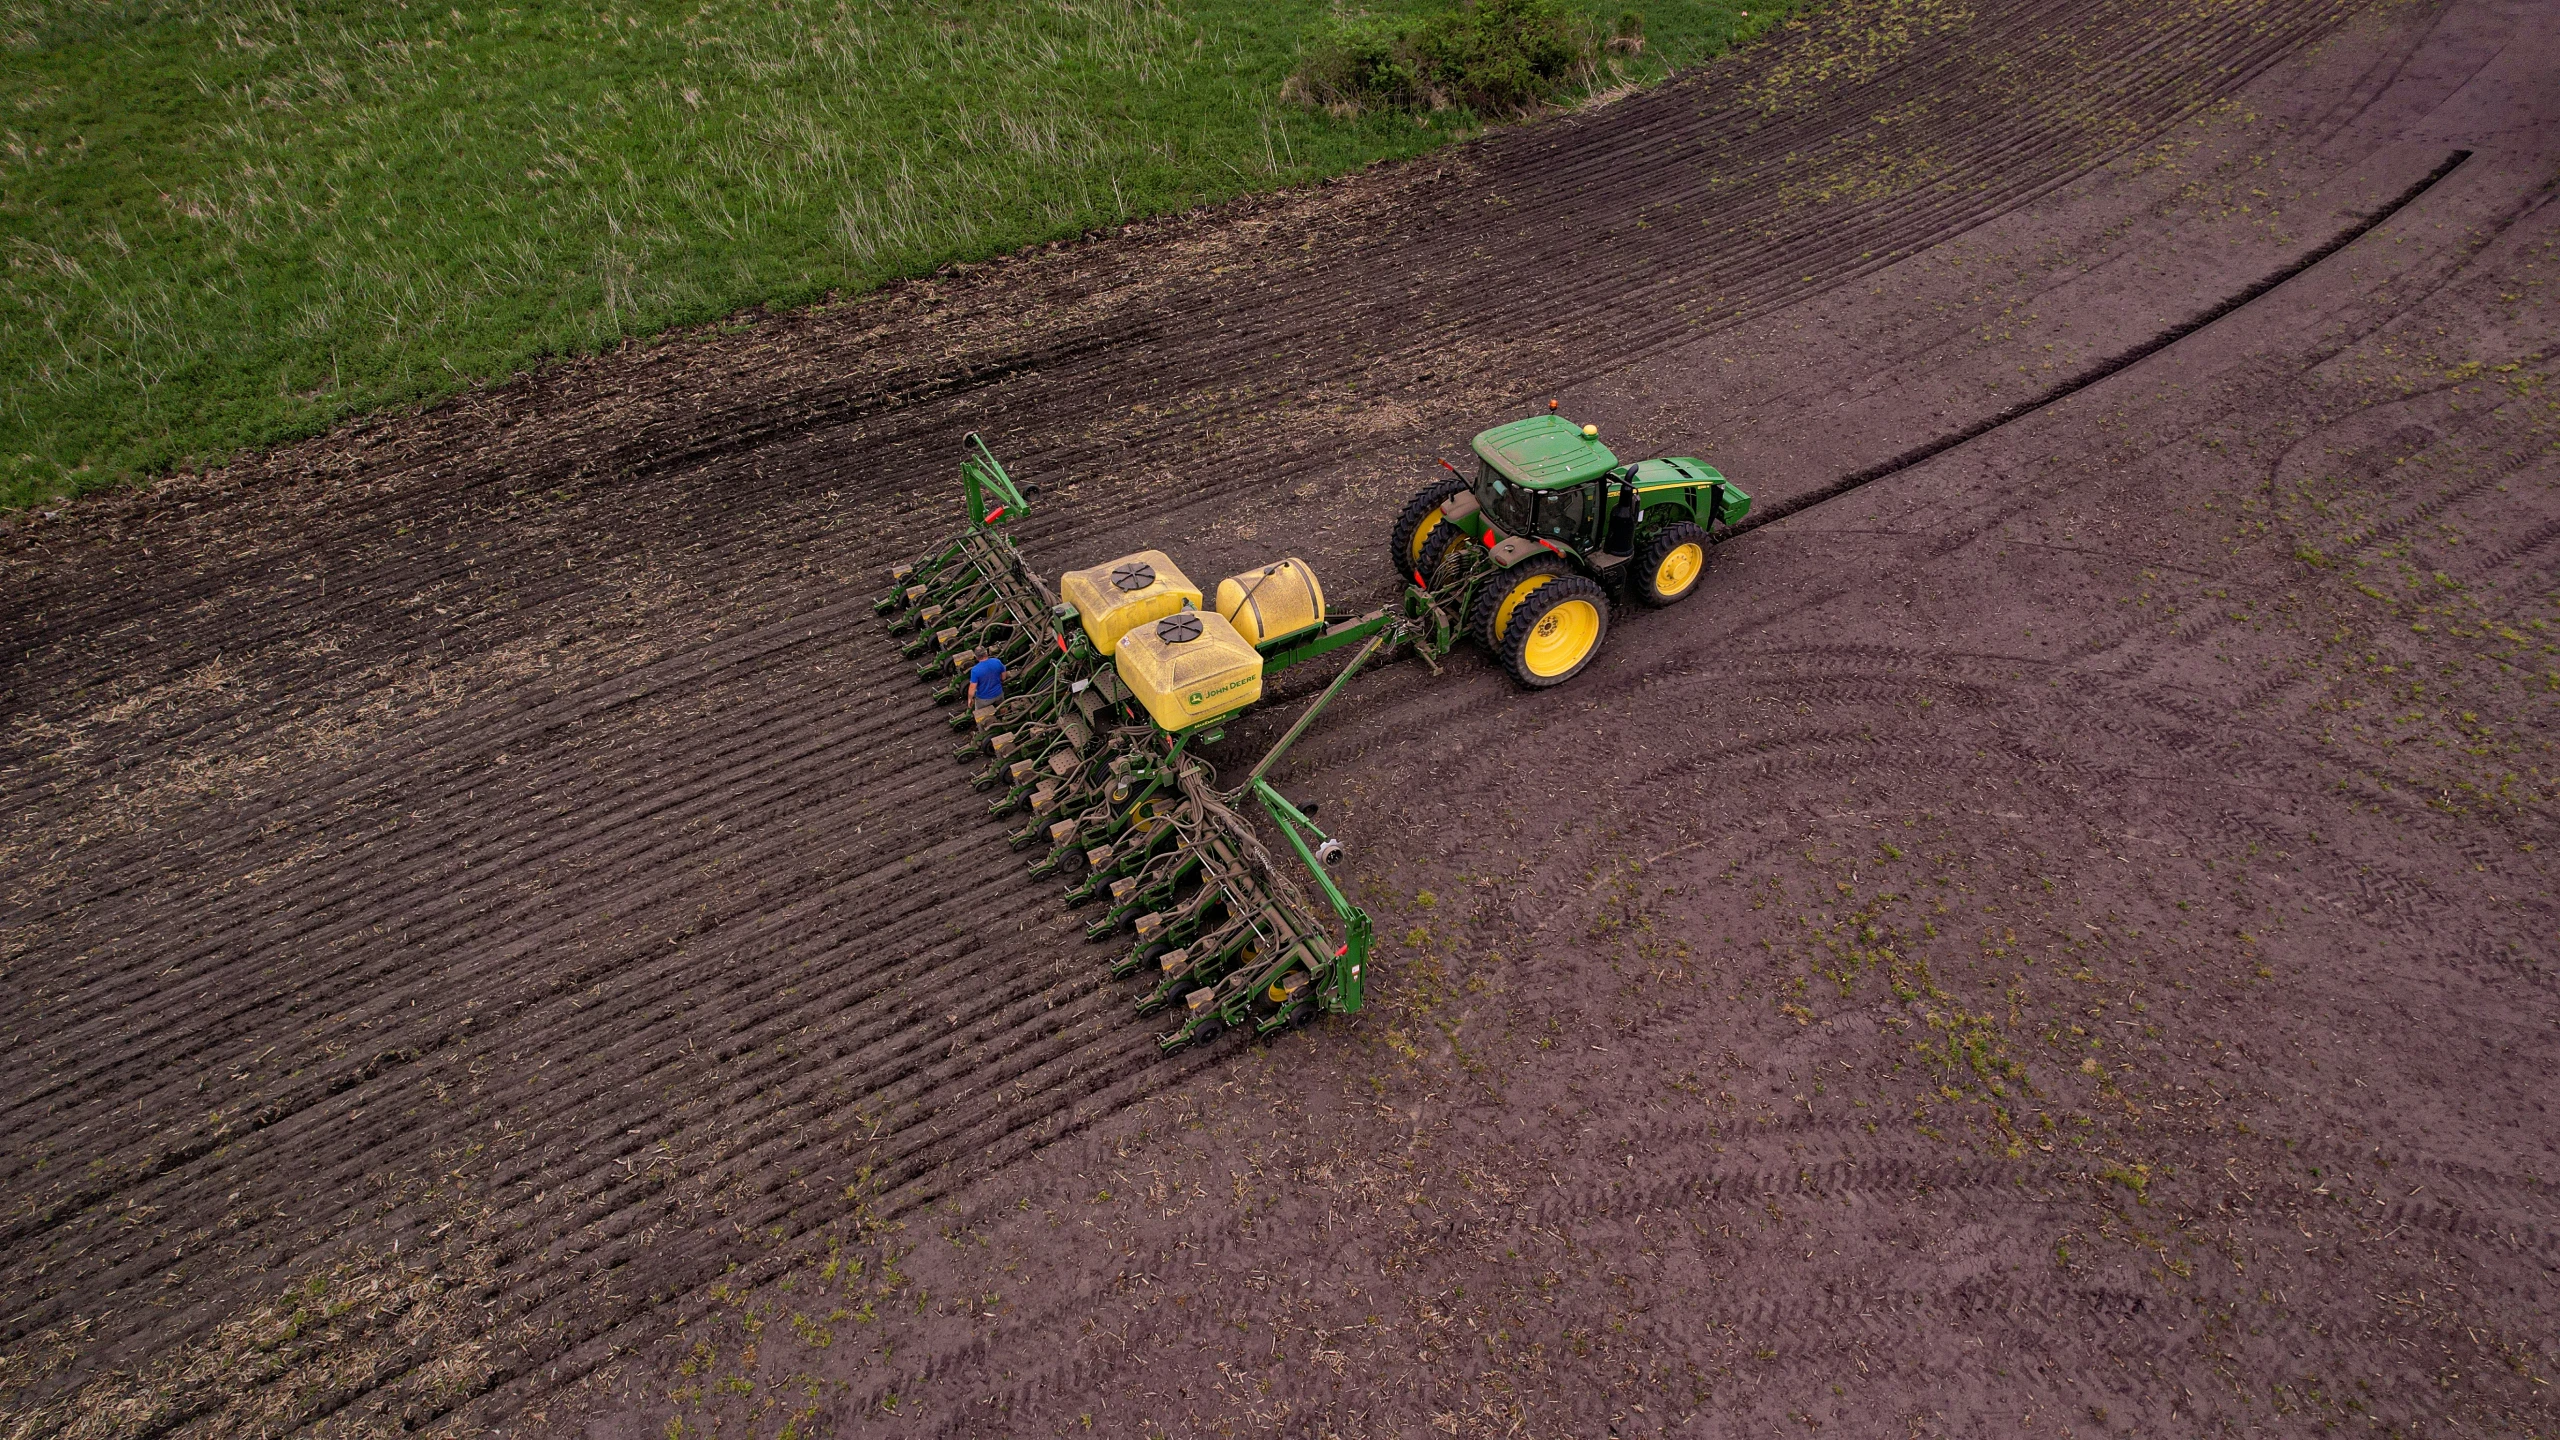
[
  {"x": 1361, "y": 63},
  {"x": 1495, "y": 57}
]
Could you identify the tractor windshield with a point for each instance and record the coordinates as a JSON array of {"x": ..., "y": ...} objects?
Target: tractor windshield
[{"x": 1509, "y": 506}]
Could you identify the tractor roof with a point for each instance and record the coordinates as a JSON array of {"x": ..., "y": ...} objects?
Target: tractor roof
[{"x": 1545, "y": 452}]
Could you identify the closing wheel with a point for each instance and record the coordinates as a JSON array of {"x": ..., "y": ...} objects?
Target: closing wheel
[
  {"x": 1415, "y": 529},
  {"x": 1500, "y": 594},
  {"x": 1555, "y": 631},
  {"x": 1669, "y": 562}
]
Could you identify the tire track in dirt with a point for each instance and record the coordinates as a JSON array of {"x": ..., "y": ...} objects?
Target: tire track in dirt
[
  {"x": 1835, "y": 677},
  {"x": 1220, "y": 1247},
  {"x": 2102, "y": 370},
  {"x": 1820, "y": 1321},
  {"x": 752, "y": 766},
  {"x": 2202, "y": 717},
  {"x": 1791, "y": 762}
]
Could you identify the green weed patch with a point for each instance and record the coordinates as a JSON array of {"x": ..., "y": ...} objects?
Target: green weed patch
[{"x": 1493, "y": 57}]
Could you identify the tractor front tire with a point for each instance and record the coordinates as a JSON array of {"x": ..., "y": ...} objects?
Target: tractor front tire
[
  {"x": 1669, "y": 562},
  {"x": 1420, "y": 533},
  {"x": 1500, "y": 594},
  {"x": 1555, "y": 631}
]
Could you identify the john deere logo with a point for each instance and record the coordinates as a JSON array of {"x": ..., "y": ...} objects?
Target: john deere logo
[{"x": 1199, "y": 695}]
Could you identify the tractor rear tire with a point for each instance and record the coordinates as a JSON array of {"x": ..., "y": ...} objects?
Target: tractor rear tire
[
  {"x": 1502, "y": 591},
  {"x": 1465, "y": 556},
  {"x": 1669, "y": 563},
  {"x": 1555, "y": 631},
  {"x": 1439, "y": 542},
  {"x": 1415, "y": 530}
]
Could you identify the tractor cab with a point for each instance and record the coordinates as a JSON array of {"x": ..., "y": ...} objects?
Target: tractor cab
[
  {"x": 1546, "y": 479},
  {"x": 1543, "y": 478}
]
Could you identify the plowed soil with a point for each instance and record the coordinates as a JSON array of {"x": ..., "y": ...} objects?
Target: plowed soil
[{"x": 2056, "y": 938}]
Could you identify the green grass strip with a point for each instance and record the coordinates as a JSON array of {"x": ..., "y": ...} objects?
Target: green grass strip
[{"x": 229, "y": 224}]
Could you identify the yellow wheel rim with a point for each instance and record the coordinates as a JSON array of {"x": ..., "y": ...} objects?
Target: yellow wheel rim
[
  {"x": 1563, "y": 639},
  {"x": 1511, "y": 602},
  {"x": 1679, "y": 570},
  {"x": 1422, "y": 533}
]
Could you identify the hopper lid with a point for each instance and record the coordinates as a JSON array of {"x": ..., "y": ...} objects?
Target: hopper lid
[
  {"x": 1132, "y": 575},
  {"x": 1179, "y": 629}
]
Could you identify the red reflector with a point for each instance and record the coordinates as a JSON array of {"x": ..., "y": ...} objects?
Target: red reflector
[
  {"x": 1345, "y": 950},
  {"x": 994, "y": 515},
  {"x": 1417, "y": 579},
  {"x": 1488, "y": 539},
  {"x": 1062, "y": 644}
]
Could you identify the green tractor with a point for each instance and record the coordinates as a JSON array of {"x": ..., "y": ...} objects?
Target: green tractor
[
  {"x": 1554, "y": 529},
  {"x": 1115, "y": 678}
]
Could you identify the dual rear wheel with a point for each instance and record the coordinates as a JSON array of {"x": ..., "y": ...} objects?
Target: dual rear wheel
[
  {"x": 1541, "y": 620},
  {"x": 1555, "y": 632},
  {"x": 1544, "y": 621},
  {"x": 1421, "y": 536}
]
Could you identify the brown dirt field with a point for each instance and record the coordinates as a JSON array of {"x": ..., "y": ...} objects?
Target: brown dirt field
[{"x": 2056, "y": 939}]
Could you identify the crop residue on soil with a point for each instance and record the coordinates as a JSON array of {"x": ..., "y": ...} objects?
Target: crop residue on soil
[{"x": 2055, "y": 940}]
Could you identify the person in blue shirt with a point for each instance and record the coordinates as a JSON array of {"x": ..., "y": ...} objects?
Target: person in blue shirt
[{"x": 986, "y": 682}]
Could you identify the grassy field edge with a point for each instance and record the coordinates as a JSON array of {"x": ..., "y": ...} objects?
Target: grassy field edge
[{"x": 230, "y": 229}]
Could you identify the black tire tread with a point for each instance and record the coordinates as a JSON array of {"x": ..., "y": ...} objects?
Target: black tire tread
[
  {"x": 1400, "y": 539},
  {"x": 1524, "y": 623},
  {"x": 1488, "y": 597},
  {"x": 1651, "y": 549}
]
